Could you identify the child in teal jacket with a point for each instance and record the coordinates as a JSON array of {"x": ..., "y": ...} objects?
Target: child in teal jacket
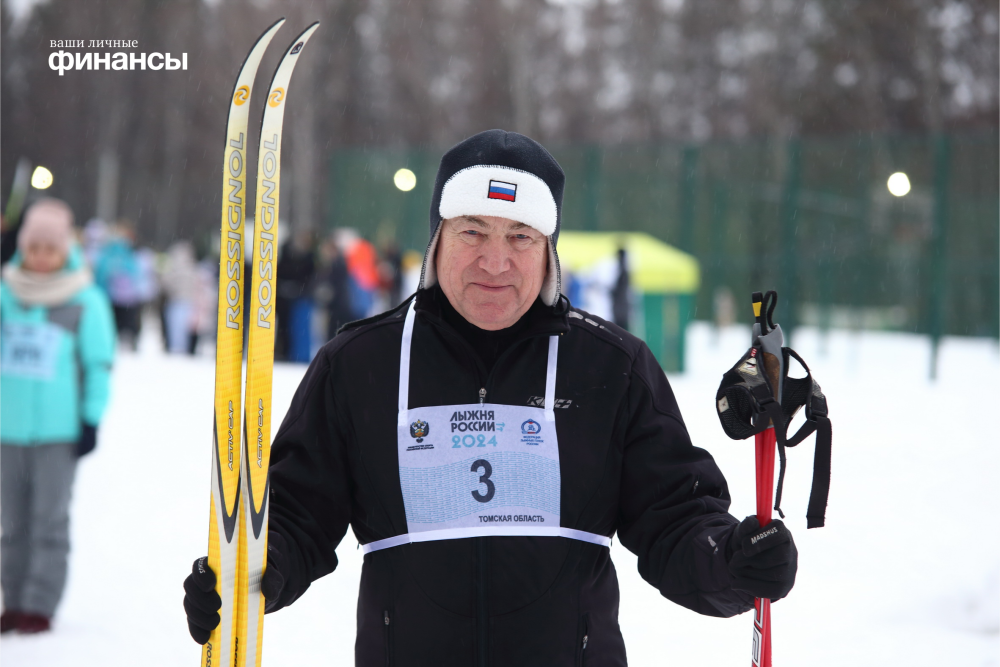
[{"x": 57, "y": 340}]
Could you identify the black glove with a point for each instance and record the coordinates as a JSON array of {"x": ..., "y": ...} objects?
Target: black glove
[
  {"x": 87, "y": 441},
  {"x": 273, "y": 583},
  {"x": 202, "y": 603},
  {"x": 762, "y": 561}
]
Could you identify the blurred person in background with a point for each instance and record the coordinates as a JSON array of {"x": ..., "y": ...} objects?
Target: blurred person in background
[
  {"x": 95, "y": 235},
  {"x": 409, "y": 267},
  {"x": 118, "y": 272},
  {"x": 13, "y": 213},
  {"x": 391, "y": 272},
  {"x": 182, "y": 287},
  {"x": 293, "y": 302},
  {"x": 620, "y": 305},
  {"x": 149, "y": 282},
  {"x": 206, "y": 304},
  {"x": 573, "y": 286},
  {"x": 8, "y": 239},
  {"x": 160, "y": 303},
  {"x": 332, "y": 288},
  {"x": 362, "y": 269},
  {"x": 58, "y": 343}
]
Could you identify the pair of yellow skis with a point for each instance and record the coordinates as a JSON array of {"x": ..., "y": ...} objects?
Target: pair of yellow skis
[{"x": 237, "y": 543}]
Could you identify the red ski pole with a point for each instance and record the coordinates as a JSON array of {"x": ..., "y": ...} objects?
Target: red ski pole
[
  {"x": 764, "y": 446},
  {"x": 750, "y": 402}
]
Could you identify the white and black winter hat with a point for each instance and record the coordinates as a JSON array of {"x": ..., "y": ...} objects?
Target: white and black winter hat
[{"x": 502, "y": 174}]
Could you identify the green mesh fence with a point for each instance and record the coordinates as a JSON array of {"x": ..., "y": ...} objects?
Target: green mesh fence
[{"x": 812, "y": 218}]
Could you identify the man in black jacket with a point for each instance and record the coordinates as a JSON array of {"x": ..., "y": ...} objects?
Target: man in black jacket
[{"x": 485, "y": 440}]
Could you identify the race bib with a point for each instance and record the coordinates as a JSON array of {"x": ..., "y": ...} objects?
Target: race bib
[
  {"x": 478, "y": 470},
  {"x": 479, "y": 466},
  {"x": 29, "y": 350}
]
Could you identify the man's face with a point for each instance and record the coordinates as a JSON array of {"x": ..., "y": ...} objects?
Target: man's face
[
  {"x": 491, "y": 269},
  {"x": 43, "y": 257}
]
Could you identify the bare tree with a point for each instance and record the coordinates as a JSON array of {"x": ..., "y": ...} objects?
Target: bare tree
[{"x": 381, "y": 73}]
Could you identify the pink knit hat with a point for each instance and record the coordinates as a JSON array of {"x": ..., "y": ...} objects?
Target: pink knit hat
[{"x": 47, "y": 221}]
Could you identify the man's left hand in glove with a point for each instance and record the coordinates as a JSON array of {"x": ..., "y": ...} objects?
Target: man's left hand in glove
[{"x": 762, "y": 561}]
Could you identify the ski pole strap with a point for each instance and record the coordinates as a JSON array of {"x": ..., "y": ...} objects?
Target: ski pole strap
[
  {"x": 822, "y": 458},
  {"x": 746, "y": 406},
  {"x": 806, "y": 392},
  {"x": 820, "y": 492}
]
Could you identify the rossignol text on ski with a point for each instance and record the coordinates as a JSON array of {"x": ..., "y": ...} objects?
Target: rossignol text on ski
[
  {"x": 224, "y": 537},
  {"x": 238, "y": 525},
  {"x": 260, "y": 358}
]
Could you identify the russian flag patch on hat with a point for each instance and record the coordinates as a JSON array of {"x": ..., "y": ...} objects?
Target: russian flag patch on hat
[{"x": 501, "y": 190}]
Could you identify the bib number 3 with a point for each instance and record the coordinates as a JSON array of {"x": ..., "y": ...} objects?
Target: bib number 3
[{"x": 491, "y": 489}]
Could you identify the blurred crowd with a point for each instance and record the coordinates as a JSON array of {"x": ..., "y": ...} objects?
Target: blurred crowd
[{"x": 322, "y": 283}]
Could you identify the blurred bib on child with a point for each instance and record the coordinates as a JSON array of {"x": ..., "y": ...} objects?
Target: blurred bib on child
[{"x": 30, "y": 349}]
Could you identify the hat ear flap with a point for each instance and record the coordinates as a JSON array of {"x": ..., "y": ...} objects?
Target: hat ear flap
[
  {"x": 552, "y": 283},
  {"x": 428, "y": 274}
]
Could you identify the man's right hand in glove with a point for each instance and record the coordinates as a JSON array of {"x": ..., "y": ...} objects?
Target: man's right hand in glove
[{"x": 202, "y": 603}]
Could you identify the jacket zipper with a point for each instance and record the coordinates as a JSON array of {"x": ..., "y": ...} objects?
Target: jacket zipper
[
  {"x": 388, "y": 639},
  {"x": 585, "y": 640},
  {"x": 482, "y": 396}
]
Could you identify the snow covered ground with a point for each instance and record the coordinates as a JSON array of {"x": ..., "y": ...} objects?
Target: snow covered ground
[{"x": 905, "y": 573}]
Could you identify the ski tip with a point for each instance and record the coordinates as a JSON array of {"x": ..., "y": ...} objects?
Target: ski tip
[
  {"x": 270, "y": 31},
  {"x": 300, "y": 40},
  {"x": 757, "y": 298},
  {"x": 308, "y": 31}
]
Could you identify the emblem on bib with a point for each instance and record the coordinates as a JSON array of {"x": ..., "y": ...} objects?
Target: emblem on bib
[
  {"x": 530, "y": 430},
  {"x": 419, "y": 430}
]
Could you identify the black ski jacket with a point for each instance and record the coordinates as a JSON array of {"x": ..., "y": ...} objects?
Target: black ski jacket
[{"x": 627, "y": 466}]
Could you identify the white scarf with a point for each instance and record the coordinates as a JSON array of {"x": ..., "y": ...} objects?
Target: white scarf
[{"x": 45, "y": 289}]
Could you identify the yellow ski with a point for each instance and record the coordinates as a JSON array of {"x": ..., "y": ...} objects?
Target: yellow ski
[
  {"x": 260, "y": 360},
  {"x": 224, "y": 534}
]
